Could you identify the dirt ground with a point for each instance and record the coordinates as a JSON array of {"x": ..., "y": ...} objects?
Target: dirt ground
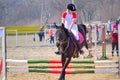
[{"x": 47, "y": 53}]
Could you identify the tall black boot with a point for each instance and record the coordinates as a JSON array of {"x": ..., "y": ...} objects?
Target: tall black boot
[{"x": 79, "y": 48}]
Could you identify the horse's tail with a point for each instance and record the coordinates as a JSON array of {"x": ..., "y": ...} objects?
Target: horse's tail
[
  {"x": 82, "y": 28},
  {"x": 85, "y": 29}
]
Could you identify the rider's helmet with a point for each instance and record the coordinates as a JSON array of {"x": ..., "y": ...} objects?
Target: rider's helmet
[{"x": 71, "y": 7}]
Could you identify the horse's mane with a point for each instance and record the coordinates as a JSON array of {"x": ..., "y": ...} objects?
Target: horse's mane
[
  {"x": 62, "y": 27},
  {"x": 66, "y": 31}
]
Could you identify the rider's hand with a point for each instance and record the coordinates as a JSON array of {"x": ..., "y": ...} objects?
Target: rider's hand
[{"x": 69, "y": 30}]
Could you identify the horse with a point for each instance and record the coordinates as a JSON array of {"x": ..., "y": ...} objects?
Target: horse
[{"x": 67, "y": 45}]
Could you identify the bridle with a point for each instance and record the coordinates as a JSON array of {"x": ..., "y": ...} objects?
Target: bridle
[{"x": 63, "y": 42}]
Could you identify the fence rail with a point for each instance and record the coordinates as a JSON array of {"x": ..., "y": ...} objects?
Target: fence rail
[{"x": 16, "y": 38}]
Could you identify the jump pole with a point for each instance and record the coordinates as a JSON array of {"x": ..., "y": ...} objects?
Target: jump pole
[
  {"x": 58, "y": 61},
  {"x": 59, "y": 67},
  {"x": 40, "y": 69},
  {"x": 2, "y": 35},
  {"x": 67, "y": 72},
  {"x": 95, "y": 52},
  {"x": 52, "y": 71}
]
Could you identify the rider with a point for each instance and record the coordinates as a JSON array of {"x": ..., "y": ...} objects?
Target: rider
[{"x": 69, "y": 20}]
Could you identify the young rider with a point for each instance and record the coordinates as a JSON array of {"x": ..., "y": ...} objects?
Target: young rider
[
  {"x": 69, "y": 20},
  {"x": 115, "y": 37}
]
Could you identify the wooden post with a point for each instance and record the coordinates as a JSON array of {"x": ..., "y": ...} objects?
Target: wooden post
[
  {"x": 103, "y": 44},
  {"x": 89, "y": 43},
  {"x": 119, "y": 50}
]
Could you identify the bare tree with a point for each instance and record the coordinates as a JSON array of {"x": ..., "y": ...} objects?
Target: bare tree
[{"x": 35, "y": 12}]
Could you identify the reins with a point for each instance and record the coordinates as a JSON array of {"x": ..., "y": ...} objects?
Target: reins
[{"x": 64, "y": 42}]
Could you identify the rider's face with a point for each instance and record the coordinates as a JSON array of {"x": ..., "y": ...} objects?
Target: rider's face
[{"x": 69, "y": 11}]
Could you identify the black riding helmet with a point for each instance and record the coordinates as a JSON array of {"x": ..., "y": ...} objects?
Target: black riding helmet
[{"x": 71, "y": 7}]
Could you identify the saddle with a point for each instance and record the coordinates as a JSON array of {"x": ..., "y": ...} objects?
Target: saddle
[{"x": 74, "y": 41}]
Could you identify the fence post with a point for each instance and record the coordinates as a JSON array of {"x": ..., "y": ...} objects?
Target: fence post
[
  {"x": 89, "y": 43},
  {"x": 103, "y": 44},
  {"x": 119, "y": 49},
  {"x": 3, "y": 36}
]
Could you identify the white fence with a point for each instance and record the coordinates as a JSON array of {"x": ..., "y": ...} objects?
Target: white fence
[{"x": 27, "y": 38}]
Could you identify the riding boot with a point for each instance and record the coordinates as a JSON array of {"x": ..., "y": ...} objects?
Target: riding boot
[
  {"x": 78, "y": 45},
  {"x": 58, "y": 52}
]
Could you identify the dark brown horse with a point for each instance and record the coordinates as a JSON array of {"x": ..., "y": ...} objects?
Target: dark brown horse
[{"x": 66, "y": 43}]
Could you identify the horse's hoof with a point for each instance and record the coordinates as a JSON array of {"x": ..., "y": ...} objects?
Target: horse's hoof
[
  {"x": 77, "y": 55},
  {"x": 60, "y": 79},
  {"x": 81, "y": 52},
  {"x": 73, "y": 56}
]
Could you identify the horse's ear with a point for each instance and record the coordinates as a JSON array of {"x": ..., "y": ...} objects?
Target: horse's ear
[
  {"x": 62, "y": 26},
  {"x": 56, "y": 26}
]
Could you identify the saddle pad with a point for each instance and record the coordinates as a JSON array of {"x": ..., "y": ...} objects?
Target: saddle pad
[{"x": 80, "y": 37}]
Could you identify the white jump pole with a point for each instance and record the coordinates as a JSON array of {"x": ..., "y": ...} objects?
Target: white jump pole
[
  {"x": 2, "y": 35},
  {"x": 95, "y": 53},
  {"x": 119, "y": 49},
  {"x": 73, "y": 2}
]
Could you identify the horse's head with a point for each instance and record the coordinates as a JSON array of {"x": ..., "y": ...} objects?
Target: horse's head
[{"x": 61, "y": 34}]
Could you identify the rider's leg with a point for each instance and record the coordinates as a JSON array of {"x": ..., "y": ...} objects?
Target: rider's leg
[
  {"x": 78, "y": 45},
  {"x": 77, "y": 40}
]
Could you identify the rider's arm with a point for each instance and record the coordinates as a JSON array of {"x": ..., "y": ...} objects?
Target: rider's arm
[
  {"x": 73, "y": 20},
  {"x": 63, "y": 20},
  {"x": 72, "y": 23},
  {"x": 63, "y": 17}
]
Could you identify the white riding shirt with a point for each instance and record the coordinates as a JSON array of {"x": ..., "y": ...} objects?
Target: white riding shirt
[{"x": 68, "y": 20}]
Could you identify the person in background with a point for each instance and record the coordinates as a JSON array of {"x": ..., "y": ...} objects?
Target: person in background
[
  {"x": 41, "y": 33},
  {"x": 109, "y": 26},
  {"x": 51, "y": 35},
  {"x": 118, "y": 19},
  {"x": 34, "y": 38},
  {"x": 54, "y": 25},
  {"x": 115, "y": 37}
]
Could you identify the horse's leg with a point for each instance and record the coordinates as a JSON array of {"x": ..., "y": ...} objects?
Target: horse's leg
[
  {"x": 86, "y": 44},
  {"x": 63, "y": 59},
  {"x": 65, "y": 64}
]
